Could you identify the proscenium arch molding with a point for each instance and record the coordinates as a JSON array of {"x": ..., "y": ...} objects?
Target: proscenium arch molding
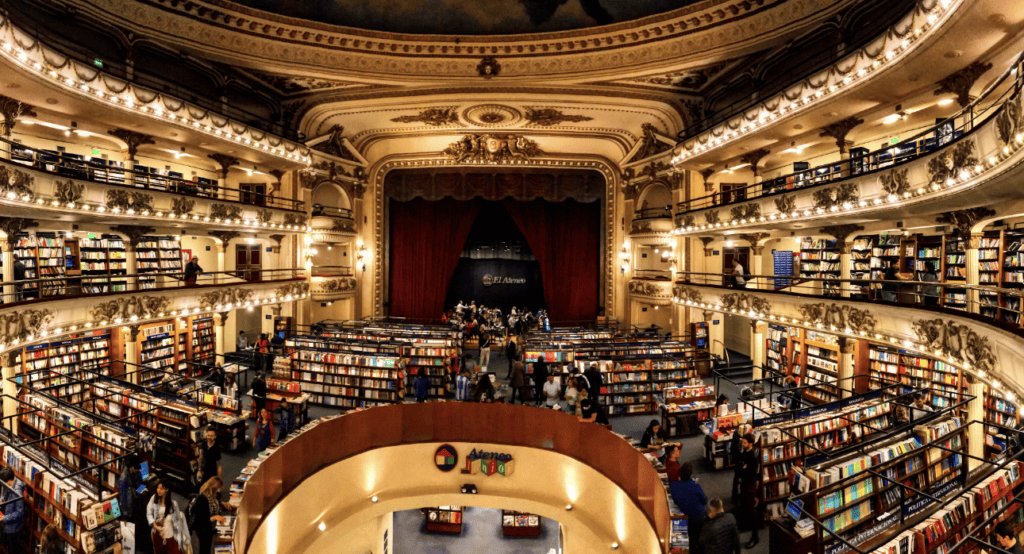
[
  {"x": 596, "y": 163},
  {"x": 576, "y": 473}
]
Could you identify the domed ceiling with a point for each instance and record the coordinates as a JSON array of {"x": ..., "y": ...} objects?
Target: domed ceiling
[{"x": 467, "y": 17}]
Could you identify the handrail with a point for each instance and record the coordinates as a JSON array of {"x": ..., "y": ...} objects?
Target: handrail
[
  {"x": 781, "y": 81},
  {"x": 653, "y": 213},
  {"x": 445, "y": 423},
  {"x": 98, "y": 170},
  {"x": 342, "y": 271},
  {"x": 174, "y": 281},
  {"x": 917, "y": 146},
  {"x": 331, "y": 211}
]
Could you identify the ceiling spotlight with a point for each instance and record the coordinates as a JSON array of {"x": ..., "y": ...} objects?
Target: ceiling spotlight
[
  {"x": 322, "y": 526},
  {"x": 373, "y": 499}
]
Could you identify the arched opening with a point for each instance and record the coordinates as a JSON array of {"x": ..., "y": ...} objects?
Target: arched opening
[
  {"x": 332, "y": 197},
  {"x": 656, "y": 196}
]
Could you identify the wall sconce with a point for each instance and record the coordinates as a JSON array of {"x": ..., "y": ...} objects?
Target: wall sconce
[{"x": 362, "y": 255}]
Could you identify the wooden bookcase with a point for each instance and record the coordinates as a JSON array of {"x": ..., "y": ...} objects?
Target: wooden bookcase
[
  {"x": 890, "y": 364},
  {"x": 954, "y": 271},
  {"x": 335, "y": 375},
  {"x": 444, "y": 519},
  {"x": 990, "y": 262},
  {"x": 682, "y": 411}
]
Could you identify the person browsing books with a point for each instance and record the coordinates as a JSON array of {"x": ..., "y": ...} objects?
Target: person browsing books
[
  {"x": 209, "y": 455},
  {"x": 654, "y": 437},
  {"x": 422, "y": 386},
  {"x": 672, "y": 468},
  {"x": 12, "y": 505},
  {"x": 127, "y": 494},
  {"x": 690, "y": 499},
  {"x": 719, "y": 533},
  {"x": 552, "y": 391},
  {"x": 264, "y": 433},
  {"x": 208, "y": 509},
  {"x": 1006, "y": 539},
  {"x": 463, "y": 387},
  {"x": 518, "y": 382},
  {"x": 169, "y": 530},
  {"x": 749, "y": 468}
]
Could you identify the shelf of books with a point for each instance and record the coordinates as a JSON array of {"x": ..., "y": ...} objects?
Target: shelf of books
[
  {"x": 955, "y": 264},
  {"x": 891, "y": 365},
  {"x": 56, "y": 364},
  {"x": 777, "y": 350},
  {"x": 822, "y": 373},
  {"x": 684, "y": 408},
  {"x": 156, "y": 352},
  {"x": 519, "y": 524},
  {"x": 989, "y": 267},
  {"x": 444, "y": 519},
  {"x": 204, "y": 342},
  {"x": 334, "y": 376},
  {"x": 431, "y": 359},
  {"x": 629, "y": 388},
  {"x": 102, "y": 260},
  {"x": 864, "y": 509},
  {"x": 157, "y": 254},
  {"x": 1013, "y": 275},
  {"x": 86, "y": 521},
  {"x": 998, "y": 411},
  {"x": 820, "y": 259},
  {"x": 861, "y": 259},
  {"x": 25, "y": 251},
  {"x": 782, "y": 450}
]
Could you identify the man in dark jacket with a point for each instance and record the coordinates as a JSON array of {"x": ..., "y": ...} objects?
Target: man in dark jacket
[
  {"x": 511, "y": 352},
  {"x": 540, "y": 376},
  {"x": 13, "y": 507},
  {"x": 719, "y": 534},
  {"x": 594, "y": 378},
  {"x": 690, "y": 499},
  {"x": 749, "y": 470},
  {"x": 19, "y": 275},
  {"x": 192, "y": 271}
]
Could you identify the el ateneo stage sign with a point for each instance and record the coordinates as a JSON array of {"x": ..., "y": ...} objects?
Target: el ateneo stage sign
[
  {"x": 497, "y": 282},
  {"x": 490, "y": 280}
]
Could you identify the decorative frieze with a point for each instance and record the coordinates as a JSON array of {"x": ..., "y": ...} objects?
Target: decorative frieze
[
  {"x": 236, "y": 296},
  {"x": 687, "y": 294},
  {"x": 746, "y": 211},
  {"x": 225, "y": 212},
  {"x": 836, "y": 317},
  {"x": 711, "y": 217},
  {"x": 127, "y": 308},
  {"x": 895, "y": 182},
  {"x": 957, "y": 341},
  {"x": 834, "y": 197},
  {"x": 785, "y": 203},
  {"x": 742, "y": 302},
  {"x": 435, "y": 117},
  {"x": 949, "y": 163},
  {"x": 492, "y": 148},
  {"x": 129, "y": 201},
  {"x": 69, "y": 192},
  {"x": 17, "y": 183},
  {"x": 548, "y": 117},
  {"x": 21, "y": 325}
]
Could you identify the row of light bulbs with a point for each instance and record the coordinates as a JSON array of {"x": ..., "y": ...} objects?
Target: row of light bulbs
[
  {"x": 962, "y": 177},
  {"x": 146, "y": 213},
  {"x": 903, "y": 343},
  {"x": 47, "y": 333},
  {"x": 152, "y": 107},
  {"x": 768, "y": 116}
]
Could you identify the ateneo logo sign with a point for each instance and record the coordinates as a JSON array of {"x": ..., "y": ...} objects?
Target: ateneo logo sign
[
  {"x": 446, "y": 457},
  {"x": 488, "y": 463},
  {"x": 499, "y": 280}
]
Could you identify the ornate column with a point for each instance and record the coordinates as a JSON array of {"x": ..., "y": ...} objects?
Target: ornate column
[
  {"x": 758, "y": 352},
  {"x": 130, "y": 336},
  {"x": 219, "y": 321},
  {"x": 11, "y": 110},
  {"x": 132, "y": 234},
  {"x": 225, "y": 163},
  {"x": 842, "y": 235},
  {"x": 975, "y": 412},
  {"x": 132, "y": 141},
  {"x": 960, "y": 84},
  {"x": 716, "y": 333},
  {"x": 278, "y": 175},
  {"x": 756, "y": 261},
  {"x": 10, "y": 389},
  {"x": 225, "y": 237},
  {"x": 754, "y": 159},
  {"x": 846, "y": 382},
  {"x": 838, "y": 131}
]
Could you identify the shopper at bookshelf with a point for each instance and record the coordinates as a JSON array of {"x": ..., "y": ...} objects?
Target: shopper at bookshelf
[
  {"x": 552, "y": 391},
  {"x": 127, "y": 489},
  {"x": 735, "y": 451},
  {"x": 259, "y": 394},
  {"x": 572, "y": 395},
  {"x": 594, "y": 381},
  {"x": 930, "y": 292},
  {"x": 192, "y": 271},
  {"x": 540, "y": 377},
  {"x": 263, "y": 357},
  {"x": 1007, "y": 539},
  {"x": 690, "y": 499},
  {"x": 581, "y": 380},
  {"x": 50, "y": 541},
  {"x": 169, "y": 531},
  {"x": 463, "y": 386},
  {"x": 484, "y": 389},
  {"x": 518, "y": 382},
  {"x": 485, "y": 347},
  {"x": 264, "y": 433},
  {"x": 723, "y": 400},
  {"x": 207, "y": 512},
  {"x": 209, "y": 456},
  {"x": 719, "y": 533},
  {"x": 921, "y": 407},
  {"x": 749, "y": 468},
  {"x": 19, "y": 275},
  {"x": 672, "y": 468},
  {"x": 591, "y": 410},
  {"x": 230, "y": 387},
  {"x": 891, "y": 287},
  {"x": 654, "y": 437},
  {"x": 421, "y": 385},
  {"x": 241, "y": 343},
  {"x": 12, "y": 505},
  {"x": 511, "y": 352}
]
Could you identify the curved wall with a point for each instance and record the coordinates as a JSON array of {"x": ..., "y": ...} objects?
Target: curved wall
[{"x": 330, "y": 473}]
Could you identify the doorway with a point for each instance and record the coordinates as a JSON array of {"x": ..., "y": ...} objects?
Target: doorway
[
  {"x": 740, "y": 254},
  {"x": 248, "y": 262}
]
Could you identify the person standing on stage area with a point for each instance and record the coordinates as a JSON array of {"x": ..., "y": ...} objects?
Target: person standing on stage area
[
  {"x": 750, "y": 479},
  {"x": 485, "y": 346}
]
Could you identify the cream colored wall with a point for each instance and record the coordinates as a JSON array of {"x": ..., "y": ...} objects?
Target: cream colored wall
[
  {"x": 662, "y": 316},
  {"x": 405, "y": 477},
  {"x": 768, "y": 260},
  {"x": 737, "y": 333}
]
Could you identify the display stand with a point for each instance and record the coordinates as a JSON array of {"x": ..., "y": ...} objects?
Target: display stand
[
  {"x": 444, "y": 519},
  {"x": 685, "y": 408},
  {"x": 519, "y": 524}
]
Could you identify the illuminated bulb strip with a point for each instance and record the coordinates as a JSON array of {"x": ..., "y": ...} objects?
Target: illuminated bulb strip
[
  {"x": 20, "y": 56},
  {"x": 894, "y": 51}
]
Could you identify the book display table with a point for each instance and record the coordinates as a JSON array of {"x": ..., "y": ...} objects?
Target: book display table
[{"x": 444, "y": 519}]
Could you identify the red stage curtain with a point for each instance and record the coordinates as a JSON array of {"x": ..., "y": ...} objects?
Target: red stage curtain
[
  {"x": 427, "y": 239},
  {"x": 565, "y": 237}
]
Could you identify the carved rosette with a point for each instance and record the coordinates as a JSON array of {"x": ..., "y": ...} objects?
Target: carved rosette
[
  {"x": 129, "y": 201},
  {"x": 957, "y": 341},
  {"x": 124, "y": 309},
  {"x": 838, "y": 318},
  {"x": 225, "y": 212}
]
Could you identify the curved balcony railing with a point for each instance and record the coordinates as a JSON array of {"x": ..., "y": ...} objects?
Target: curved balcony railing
[
  {"x": 999, "y": 306},
  {"x": 48, "y": 289},
  {"x": 653, "y": 213},
  {"x": 957, "y": 127},
  {"x": 331, "y": 211},
  {"x": 335, "y": 440},
  {"x": 888, "y": 14}
]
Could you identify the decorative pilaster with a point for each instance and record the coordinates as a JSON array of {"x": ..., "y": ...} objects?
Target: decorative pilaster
[
  {"x": 706, "y": 174},
  {"x": 846, "y": 382},
  {"x": 225, "y": 162},
  {"x": 706, "y": 241},
  {"x": 758, "y": 352},
  {"x": 132, "y": 142},
  {"x": 971, "y": 244},
  {"x": 975, "y": 412},
  {"x": 278, "y": 175},
  {"x": 224, "y": 237},
  {"x": 756, "y": 249},
  {"x": 130, "y": 334},
  {"x": 960, "y": 83},
  {"x": 220, "y": 320},
  {"x": 838, "y": 131},
  {"x": 842, "y": 235},
  {"x": 11, "y": 110}
]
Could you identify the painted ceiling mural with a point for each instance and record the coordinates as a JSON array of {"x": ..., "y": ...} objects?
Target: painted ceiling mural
[{"x": 467, "y": 17}]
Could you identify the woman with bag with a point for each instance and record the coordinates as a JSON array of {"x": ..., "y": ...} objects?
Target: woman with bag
[
  {"x": 208, "y": 512},
  {"x": 169, "y": 530}
]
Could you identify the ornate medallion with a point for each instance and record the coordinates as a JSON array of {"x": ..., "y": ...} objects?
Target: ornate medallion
[{"x": 492, "y": 115}]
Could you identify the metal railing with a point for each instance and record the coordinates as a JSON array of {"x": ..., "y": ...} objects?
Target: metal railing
[
  {"x": 1000, "y": 304},
  {"x": 331, "y": 211},
  {"x": 956, "y": 127},
  {"x": 653, "y": 213},
  {"x": 109, "y": 172},
  {"x": 332, "y": 271},
  {"x": 48, "y": 289}
]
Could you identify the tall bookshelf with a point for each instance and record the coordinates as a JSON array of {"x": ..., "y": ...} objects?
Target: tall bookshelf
[
  {"x": 203, "y": 342},
  {"x": 630, "y": 390},
  {"x": 56, "y": 364},
  {"x": 989, "y": 268},
  {"x": 156, "y": 352},
  {"x": 155, "y": 255},
  {"x": 431, "y": 359},
  {"x": 345, "y": 380},
  {"x": 777, "y": 350},
  {"x": 955, "y": 271},
  {"x": 894, "y": 365},
  {"x": 1013, "y": 275},
  {"x": 103, "y": 260},
  {"x": 1000, "y": 411},
  {"x": 51, "y": 263},
  {"x": 674, "y": 371},
  {"x": 26, "y": 251},
  {"x": 820, "y": 259},
  {"x": 822, "y": 373}
]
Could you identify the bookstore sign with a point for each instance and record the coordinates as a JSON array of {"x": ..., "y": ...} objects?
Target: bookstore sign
[
  {"x": 446, "y": 458},
  {"x": 489, "y": 280}
]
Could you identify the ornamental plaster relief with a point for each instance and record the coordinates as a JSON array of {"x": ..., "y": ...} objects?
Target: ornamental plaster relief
[{"x": 262, "y": 36}]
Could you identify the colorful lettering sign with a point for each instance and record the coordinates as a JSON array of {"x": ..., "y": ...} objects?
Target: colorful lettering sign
[{"x": 446, "y": 457}]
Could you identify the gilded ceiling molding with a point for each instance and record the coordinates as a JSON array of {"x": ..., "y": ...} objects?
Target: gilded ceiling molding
[
  {"x": 960, "y": 83},
  {"x": 491, "y": 149},
  {"x": 965, "y": 220},
  {"x": 435, "y": 117},
  {"x": 649, "y": 145},
  {"x": 957, "y": 341},
  {"x": 132, "y": 139},
  {"x": 492, "y": 115},
  {"x": 126, "y": 308},
  {"x": 382, "y": 167},
  {"x": 835, "y": 317},
  {"x": 547, "y": 117},
  {"x": 335, "y": 145}
]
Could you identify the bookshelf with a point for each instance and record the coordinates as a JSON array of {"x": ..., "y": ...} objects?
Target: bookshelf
[
  {"x": 777, "y": 349},
  {"x": 156, "y": 352},
  {"x": 431, "y": 359},
  {"x": 684, "y": 408},
  {"x": 629, "y": 386},
  {"x": 890, "y": 365},
  {"x": 25, "y": 251},
  {"x": 50, "y": 249},
  {"x": 1000, "y": 411},
  {"x": 102, "y": 261},
  {"x": 989, "y": 268},
  {"x": 955, "y": 271},
  {"x": 1013, "y": 275},
  {"x": 203, "y": 343},
  {"x": 444, "y": 519},
  {"x": 677, "y": 371},
  {"x": 862, "y": 262},
  {"x": 336, "y": 377},
  {"x": 822, "y": 371},
  {"x": 155, "y": 255},
  {"x": 820, "y": 259},
  {"x": 519, "y": 524}
]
